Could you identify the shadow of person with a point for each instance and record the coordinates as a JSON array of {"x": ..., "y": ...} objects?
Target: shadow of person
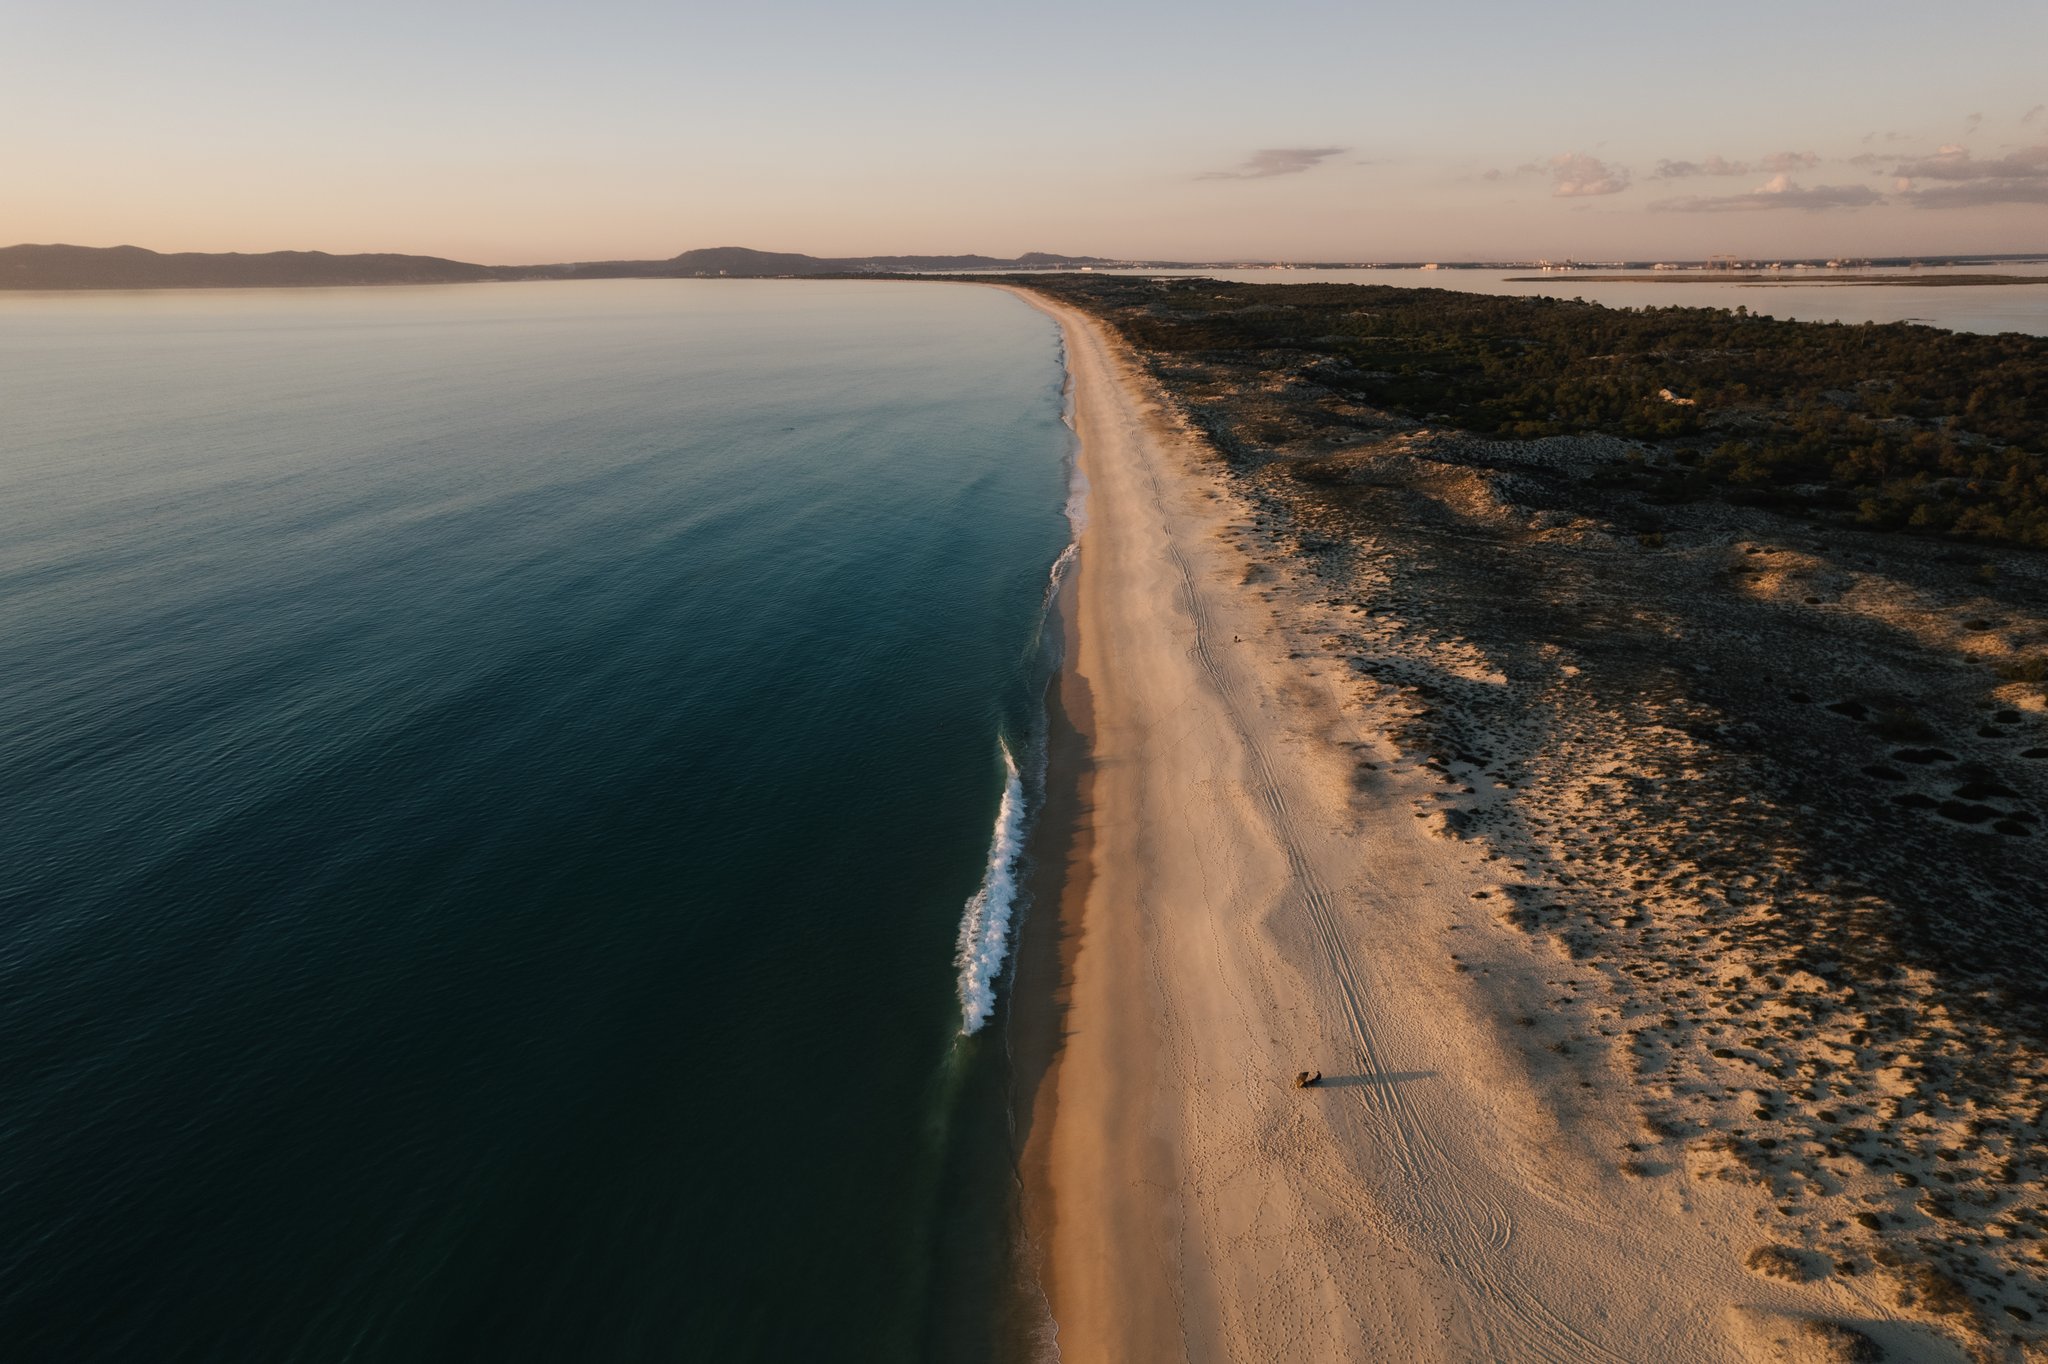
[{"x": 1384, "y": 1077}]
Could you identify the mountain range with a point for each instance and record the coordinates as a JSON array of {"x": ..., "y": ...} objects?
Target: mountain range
[{"x": 133, "y": 267}]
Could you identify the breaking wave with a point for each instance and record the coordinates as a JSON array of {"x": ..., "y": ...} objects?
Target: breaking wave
[{"x": 985, "y": 928}]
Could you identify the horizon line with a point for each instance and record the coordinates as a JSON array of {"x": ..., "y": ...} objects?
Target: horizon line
[{"x": 1222, "y": 261}]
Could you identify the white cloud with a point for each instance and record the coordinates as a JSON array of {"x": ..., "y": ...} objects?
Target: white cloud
[
  {"x": 1576, "y": 175},
  {"x": 1778, "y": 192}
]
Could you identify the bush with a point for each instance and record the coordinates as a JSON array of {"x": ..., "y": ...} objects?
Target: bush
[
  {"x": 1931, "y": 1290},
  {"x": 1779, "y": 1262},
  {"x": 1903, "y": 726},
  {"x": 2034, "y": 669}
]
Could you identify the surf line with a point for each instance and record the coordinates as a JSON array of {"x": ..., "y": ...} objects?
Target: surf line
[{"x": 985, "y": 926}]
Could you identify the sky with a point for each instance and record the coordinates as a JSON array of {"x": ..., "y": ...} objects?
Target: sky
[{"x": 522, "y": 132}]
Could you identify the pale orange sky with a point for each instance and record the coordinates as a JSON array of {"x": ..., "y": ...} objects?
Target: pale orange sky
[{"x": 528, "y": 132}]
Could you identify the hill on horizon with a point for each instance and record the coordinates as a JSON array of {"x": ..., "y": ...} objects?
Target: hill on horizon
[
  {"x": 59, "y": 266},
  {"x": 745, "y": 262}
]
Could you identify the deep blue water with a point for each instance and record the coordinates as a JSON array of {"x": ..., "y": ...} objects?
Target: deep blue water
[{"x": 491, "y": 780}]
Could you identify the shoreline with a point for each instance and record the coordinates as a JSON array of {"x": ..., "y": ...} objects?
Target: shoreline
[
  {"x": 1788, "y": 279},
  {"x": 1250, "y": 887},
  {"x": 1064, "y": 1130},
  {"x": 1058, "y": 862}
]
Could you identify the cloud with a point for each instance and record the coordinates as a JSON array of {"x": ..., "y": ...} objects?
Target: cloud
[
  {"x": 1971, "y": 123},
  {"x": 1721, "y": 165},
  {"x": 1980, "y": 194},
  {"x": 1955, "y": 163},
  {"x": 1271, "y": 161},
  {"x": 1777, "y": 192},
  {"x": 1790, "y": 161},
  {"x": 2019, "y": 177},
  {"x": 2034, "y": 113},
  {"x": 1713, "y": 165},
  {"x": 1578, "y": 176}
]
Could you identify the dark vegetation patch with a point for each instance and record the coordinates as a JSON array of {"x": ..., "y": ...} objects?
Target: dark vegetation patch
[{"x": 1891, "y": 426}]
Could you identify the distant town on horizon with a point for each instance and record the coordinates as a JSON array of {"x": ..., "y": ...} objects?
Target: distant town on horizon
[{"x": 61, "y": 266}]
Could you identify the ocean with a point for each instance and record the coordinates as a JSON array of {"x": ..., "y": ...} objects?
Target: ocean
[{"x": 512, "y": 802}]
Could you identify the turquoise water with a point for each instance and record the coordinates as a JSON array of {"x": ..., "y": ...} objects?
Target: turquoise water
[{"x": 494, "y": 776}]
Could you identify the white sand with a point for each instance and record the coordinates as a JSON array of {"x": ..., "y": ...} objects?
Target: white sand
[{"x": 1257, "y": 903}]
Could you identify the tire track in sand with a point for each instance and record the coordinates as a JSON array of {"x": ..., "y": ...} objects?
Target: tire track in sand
[{"x": 1436, "y": 1192}]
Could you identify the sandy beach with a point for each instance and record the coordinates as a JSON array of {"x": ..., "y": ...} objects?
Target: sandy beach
[{"x": 1263, "y": 883}]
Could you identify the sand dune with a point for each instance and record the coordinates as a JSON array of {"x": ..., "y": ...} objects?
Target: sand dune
[{"x": 1259, "y": 896}]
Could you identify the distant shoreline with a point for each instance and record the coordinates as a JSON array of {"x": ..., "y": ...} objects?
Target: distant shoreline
[
  {"x": 39, "y": 267},
  {"x": 61, "y": 267},
  {"x": 1779, "y": 280}
]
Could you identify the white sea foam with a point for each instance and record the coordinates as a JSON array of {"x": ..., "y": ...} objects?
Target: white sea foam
[
  {"x": 1077, "y": 481},
  {"x": 1058, "y": 576},
  {"x": 985, "y": 928}
]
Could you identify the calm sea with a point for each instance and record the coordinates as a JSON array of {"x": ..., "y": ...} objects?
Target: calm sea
[{"x": 493, "y": 779}]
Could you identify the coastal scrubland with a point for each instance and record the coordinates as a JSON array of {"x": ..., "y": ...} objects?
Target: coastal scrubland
[
  {"x": 1720, "y": 641},
  {"x": 1890, "y": 426}
]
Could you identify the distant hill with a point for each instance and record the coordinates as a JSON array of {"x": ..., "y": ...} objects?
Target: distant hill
[
  {"x": 744, "y": 262},
  {"x": 132, "y": 267}
]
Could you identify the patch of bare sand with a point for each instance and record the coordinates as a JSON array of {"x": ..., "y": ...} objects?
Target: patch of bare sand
[{"x": 1261, "y": 898}]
